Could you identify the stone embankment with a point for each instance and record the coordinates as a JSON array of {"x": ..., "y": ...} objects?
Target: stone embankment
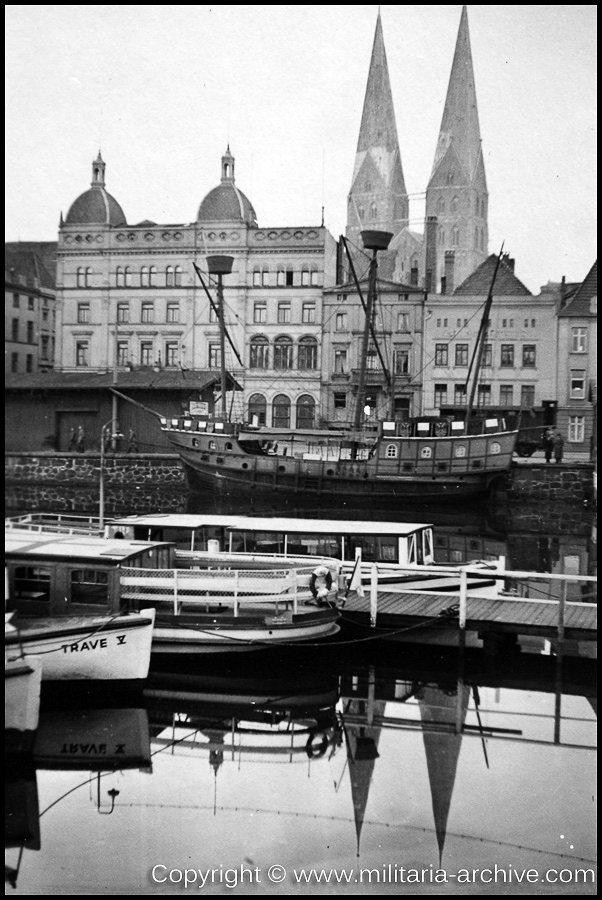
[
  {"x": 84, "y": 468},
  {"x": 566, "y": 482}
]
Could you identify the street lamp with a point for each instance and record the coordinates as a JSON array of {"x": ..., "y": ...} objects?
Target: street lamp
[
  {"x": 220, "y": 266},
  {"x": 115, "y": 435}
]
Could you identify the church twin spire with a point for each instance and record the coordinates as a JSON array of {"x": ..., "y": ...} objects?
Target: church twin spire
[{"x": 457, "y": 190}]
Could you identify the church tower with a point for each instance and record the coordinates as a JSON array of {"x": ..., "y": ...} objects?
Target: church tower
[
  {"x": 378, "y": 198},
  {"x": 457, "y": 191}
]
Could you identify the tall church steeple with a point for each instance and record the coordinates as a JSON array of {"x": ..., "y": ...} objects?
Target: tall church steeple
[
  {"x": 457, "y": 190},
  {"x": 378, "y": 198}
]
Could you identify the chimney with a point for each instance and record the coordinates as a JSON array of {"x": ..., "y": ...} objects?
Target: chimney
[
  {"x": 430, "y": 266},
  {"x": 509, "y": 262},
  {"x": 450, "y": 262}
]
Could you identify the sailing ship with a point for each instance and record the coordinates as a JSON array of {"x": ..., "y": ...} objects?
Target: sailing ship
[{"x": 428, "y": 457}]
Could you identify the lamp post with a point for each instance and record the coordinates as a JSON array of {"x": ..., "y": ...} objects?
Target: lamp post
[
  {"x": 115, "y": 435},
  {"x": 220, "y": 266}
]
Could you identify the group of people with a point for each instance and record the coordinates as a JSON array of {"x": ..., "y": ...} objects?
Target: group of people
[
  {"x": 77, "y": 440},
  {"x": 553, "y": 445}
]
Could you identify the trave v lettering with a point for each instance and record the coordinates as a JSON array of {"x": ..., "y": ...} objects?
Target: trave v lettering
[{"x": 98, "y": 644}]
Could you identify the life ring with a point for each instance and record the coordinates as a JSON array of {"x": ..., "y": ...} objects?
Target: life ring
[
  {"x": 320, "y": 582},
  {"x": 319, "y": 749}
]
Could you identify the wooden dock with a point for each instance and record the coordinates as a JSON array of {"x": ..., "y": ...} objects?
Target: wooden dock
[{"x": 396, "y": 610}]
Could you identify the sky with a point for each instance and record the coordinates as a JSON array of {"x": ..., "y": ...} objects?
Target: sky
[{"x": 162, "y": 90}]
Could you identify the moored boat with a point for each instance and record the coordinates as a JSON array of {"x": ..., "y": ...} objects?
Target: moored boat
[{"x": 194, "y": 609}]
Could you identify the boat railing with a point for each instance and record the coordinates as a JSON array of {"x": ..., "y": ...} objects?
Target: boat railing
[
  {"x": 233, "y": 589},
  {"x": 54, "y": 523}
]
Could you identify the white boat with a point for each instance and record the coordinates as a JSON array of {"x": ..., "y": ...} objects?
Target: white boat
[
  {"x": 22, "y": 686},
  {"x": 402, "y": 552},
  {"x": 197, "y": 609},
  {"x": 86, "y": 648}
]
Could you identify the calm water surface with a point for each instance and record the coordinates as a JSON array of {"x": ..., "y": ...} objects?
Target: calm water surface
[{"x": 395, "y": 760}]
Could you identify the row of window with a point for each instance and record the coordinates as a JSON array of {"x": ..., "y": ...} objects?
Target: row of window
[
  {"x": 125, "y": 313},
  {"x": 305, "y": 410},
  {"x": 307, "y": 276},
  {"x": 480, "y": 206},
  {"x": 30, "y": 302},
  {"x": 124, "y": 277},
  {"x": 16, "y": 331},
  {"x": 507, "y": 355},
  {"x": 284, "y": 353},
  {"x": 341, "y": 321},
  {"x": 283, "y": 313},
  {"x": 443, "y": 396}
]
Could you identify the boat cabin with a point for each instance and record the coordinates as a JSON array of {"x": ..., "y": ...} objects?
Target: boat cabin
[
  {"x": 73, "y": 575},
  {"x": 396, "y": 543}
]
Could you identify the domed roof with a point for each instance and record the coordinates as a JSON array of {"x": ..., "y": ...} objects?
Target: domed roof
[
  {"x": 226, "y": 203},
  {"x": 96, "y": 206}
]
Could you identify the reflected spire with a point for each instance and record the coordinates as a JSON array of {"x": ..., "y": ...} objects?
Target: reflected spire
[
  {"x": 362, "y": 753},
  {"x": 441, "y": 714}
]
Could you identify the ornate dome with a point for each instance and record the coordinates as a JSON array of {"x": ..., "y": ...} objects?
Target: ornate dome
[
  {"x": 96, "y": 206},
  {"x": 226, "y": 203}
]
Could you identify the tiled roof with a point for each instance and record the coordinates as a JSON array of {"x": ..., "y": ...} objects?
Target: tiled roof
[
  {"x": 32, "y": 259},
  {"x": 506, "y": 282},
  {"x": 141, "y": 378},
  {"x": 579, "y": 305}
]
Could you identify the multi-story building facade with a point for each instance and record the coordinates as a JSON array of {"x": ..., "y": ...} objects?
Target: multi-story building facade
[
  {"x": 29, "y": 307},
  {"x": 130, "y": 297},
  {"x": 393, "y": 371},
  {"x": 518, "y": 370},
  {"x": 577, "y": 364}
]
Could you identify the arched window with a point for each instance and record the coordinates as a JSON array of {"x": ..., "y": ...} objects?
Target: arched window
[
  {"x": 483, "y": 242},
  {"x": 280, "y": 277},
  {"x": 305, "y": 276},
  {"x": 454, "y": 205},
  {"x": 483, "y": 207},
  {"x": 361, "y": 213},
  {"x": 373, "y": 211},
  {"x": 451, "y": 175},
  {"x": 308, "y": 353},
  {"x": 440, "y": 205},
  {"x": 441, "y": 236},
  {"x": 306, "y": 411},
  {"x": 256, "y": 277},
  {"x": 259, "y": 358},
  {"x": 476, "y": 238},
  {"x": 283, "y": 353},
  {"x": 81, "y": 278},
  {"x": 257, "y": 409},
  {"x": 178, "y": 276},
  {"x": 144, "y": 282},
  {"x": 169, "y": 277},
  {"x": 119, "y": 277},
  {"x": 281, "y": 411},
  {"x": 391, "y": 451},
  {"x": 88, "y": 277},
  {"x": 127, "y": 277},
  {"x": 455, "y": 237},
  {"x": 152, "y": 276},
  {"x": 315, "y": 277}
]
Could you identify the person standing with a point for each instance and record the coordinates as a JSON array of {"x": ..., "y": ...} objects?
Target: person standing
[
  {"x": 81, "y": 439},
  {"x": 558, "y": 447},
  {"x": 132, "y": 446},
  {"x": 548, "y": 444},
  {"x": 72, "y": 440}
]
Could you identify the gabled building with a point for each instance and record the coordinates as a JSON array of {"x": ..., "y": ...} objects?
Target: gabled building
[
  {"x": 577, "y": 356},
  {"x": 518, "y": 370},
  {"x": 29, "y": 306}
]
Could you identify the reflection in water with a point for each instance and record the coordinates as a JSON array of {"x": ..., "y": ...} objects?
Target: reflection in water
[{"x": 435, "y": 762}]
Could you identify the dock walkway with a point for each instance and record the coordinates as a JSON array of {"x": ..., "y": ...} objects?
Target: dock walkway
[{"x": 513, "y": 615}]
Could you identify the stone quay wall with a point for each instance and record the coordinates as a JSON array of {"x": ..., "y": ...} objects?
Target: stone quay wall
[
  {"x": 567, "y": 482},
  {"x": 564, "y": 482},
  {"x": 84, "y": 468}
]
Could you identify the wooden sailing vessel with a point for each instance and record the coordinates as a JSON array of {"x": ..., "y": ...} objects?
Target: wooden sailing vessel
[{"x": 438, "y": 458}]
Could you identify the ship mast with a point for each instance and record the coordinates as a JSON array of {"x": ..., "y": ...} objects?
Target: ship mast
[
  {"x": 375, "y": 241},
  {"x": 479, "y": 351}
]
